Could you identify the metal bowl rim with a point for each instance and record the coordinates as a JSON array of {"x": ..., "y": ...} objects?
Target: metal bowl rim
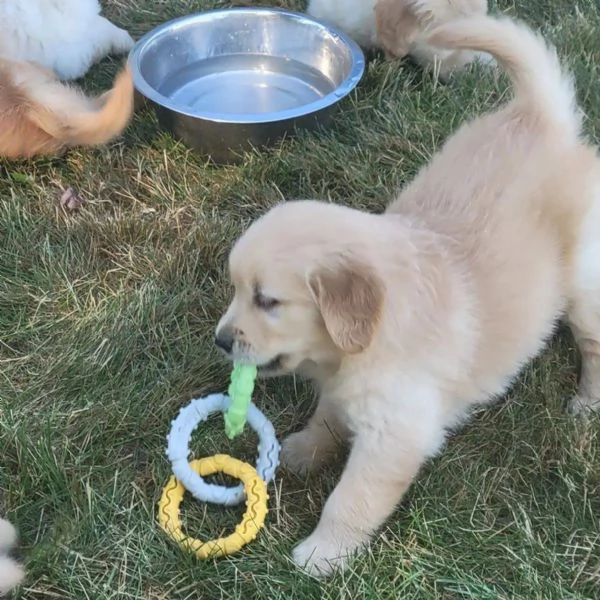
[{"x": 341, "y": 91}]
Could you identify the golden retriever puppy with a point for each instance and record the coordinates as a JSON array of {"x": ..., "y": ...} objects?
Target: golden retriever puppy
[
  {"x": 11, "y": 573},
  {"x": 408, "y": 319},
  {"x": 41, "y": 115},
  {"x": 399, "y": 27}
]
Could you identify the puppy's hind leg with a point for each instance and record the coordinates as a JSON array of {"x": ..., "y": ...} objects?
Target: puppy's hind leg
[
  {"x": 584, "y": 311},
  {"x": 587, "y": 335}
]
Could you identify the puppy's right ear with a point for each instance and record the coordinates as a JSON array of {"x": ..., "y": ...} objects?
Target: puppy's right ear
[
  {"x": 350, "y": 297},
  {"x": 396, "y": 25}
]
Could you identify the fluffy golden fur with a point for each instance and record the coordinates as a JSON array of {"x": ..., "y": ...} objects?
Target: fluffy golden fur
[
  {"x": 407, "y": 319},
  {"x": 398, "y": 27},
  {"x": 41, "y": 115},
  {"x": 402, "y": 25}
]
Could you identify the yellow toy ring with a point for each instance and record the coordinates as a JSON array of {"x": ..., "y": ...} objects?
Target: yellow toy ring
[{"x": 246, "y": 531}]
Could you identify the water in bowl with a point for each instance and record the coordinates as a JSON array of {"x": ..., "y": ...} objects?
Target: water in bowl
[{"x": 245, "y": 84}]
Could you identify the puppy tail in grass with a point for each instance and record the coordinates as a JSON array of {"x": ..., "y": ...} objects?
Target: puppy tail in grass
[
  {"x": 542, "y": 86},
  {"x": 101, "y": 119}
]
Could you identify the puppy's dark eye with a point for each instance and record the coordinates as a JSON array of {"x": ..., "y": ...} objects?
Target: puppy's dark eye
[{"x": 265, "y": 302}]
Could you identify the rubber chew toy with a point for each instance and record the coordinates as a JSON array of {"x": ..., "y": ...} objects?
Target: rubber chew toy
[
  {"x": 246, "y": 531},
  {"x": 178, "y": 451},
  {"x": 237, "y": 409},
  {"x": 240, "y": 392}
]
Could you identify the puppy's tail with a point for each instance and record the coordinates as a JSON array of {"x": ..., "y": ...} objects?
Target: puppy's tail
[
  {"x": 94, "y": 121},
  {"x": 101, "y": 126},
  {"x": 542, "y": 86}
]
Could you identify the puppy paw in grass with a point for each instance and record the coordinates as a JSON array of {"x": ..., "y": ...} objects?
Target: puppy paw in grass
[{"x": 323, "y": 553}]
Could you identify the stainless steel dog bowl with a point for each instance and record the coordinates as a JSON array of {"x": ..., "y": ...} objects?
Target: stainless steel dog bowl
[{"x": 225, "y": 80}]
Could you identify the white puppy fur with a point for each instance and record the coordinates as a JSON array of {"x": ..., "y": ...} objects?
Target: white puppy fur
[
  {"x": 399, "y": 27},
  {"x": 11, "y": 573},
  {"x": 408, "y": 319},
  {"x": 68, "y": 36}
]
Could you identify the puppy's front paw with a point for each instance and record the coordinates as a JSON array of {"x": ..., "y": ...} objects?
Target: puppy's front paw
[
  {"x": 8, "y": 535},
  {"x": 300, "y": 453},
  {"x": 320, "y": 555},
  {"x": 11, "y": 574},
  {"x": 122, "y": 41}
]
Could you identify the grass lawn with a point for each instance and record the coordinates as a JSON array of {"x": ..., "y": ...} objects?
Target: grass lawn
[{"x": 106, "y": 327}]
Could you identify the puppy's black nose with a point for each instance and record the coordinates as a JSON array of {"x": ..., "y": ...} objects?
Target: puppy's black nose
[{"x": 224, "y": 340}]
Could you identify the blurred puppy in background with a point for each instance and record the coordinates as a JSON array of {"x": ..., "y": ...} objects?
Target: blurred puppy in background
[
  {"x": 67, "y": 36},
  {"x": 41, "y": 115},
  {"x": 41, "y": 42},
  {"x": 398, "y": 27},
  {"x": 11, "y": 572}
]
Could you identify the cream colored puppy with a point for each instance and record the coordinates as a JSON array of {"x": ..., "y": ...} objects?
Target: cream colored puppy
[
  {"x": 408, "y": 319},
  {"x": 399, "y": 27},
  {"x": 11, "y": 572}
]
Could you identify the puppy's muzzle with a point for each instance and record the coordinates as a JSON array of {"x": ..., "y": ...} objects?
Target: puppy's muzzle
[{"x": 224, "y": 339}]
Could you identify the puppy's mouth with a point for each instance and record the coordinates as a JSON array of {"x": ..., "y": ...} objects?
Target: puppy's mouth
[
  {"x": 274, "y": 366},
  {"x": 270, "y": 368}
]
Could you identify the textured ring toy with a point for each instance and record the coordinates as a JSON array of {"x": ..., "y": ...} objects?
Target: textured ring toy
[
  {"x": 248, "y": 528},
  {"x": 178, "y": 449},
  {"x": 237, "y": 407}
]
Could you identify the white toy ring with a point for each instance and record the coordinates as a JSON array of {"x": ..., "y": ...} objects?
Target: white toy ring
[{"x": 178, "y": 450}]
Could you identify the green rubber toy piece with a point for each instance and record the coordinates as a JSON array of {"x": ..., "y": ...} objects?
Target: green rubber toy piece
[{"x": 240, "y": 391}]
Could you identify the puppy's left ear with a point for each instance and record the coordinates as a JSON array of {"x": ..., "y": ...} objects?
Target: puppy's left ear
[{"x": 350, "y": 297}]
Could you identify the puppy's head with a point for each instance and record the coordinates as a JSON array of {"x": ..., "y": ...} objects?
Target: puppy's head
[
  {"x": 304, "y": 293},
  {"x": 397, "y": 25}
]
